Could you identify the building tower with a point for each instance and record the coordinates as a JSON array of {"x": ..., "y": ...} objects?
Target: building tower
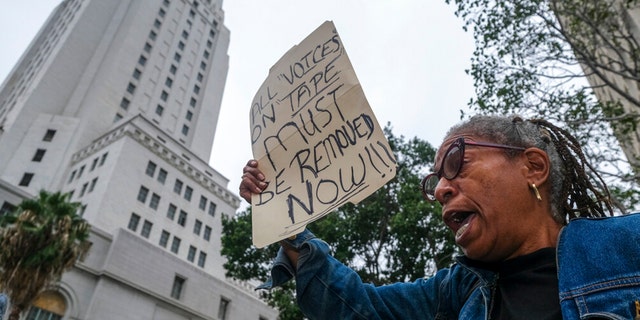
[
  {"x": 609, "y": 47},
  {"x": 117, "y": 103}
]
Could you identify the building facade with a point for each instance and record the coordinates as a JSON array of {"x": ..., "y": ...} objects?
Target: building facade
[
  {"x": 116, "y": 102},
  {"x": 611, "y": 53}
]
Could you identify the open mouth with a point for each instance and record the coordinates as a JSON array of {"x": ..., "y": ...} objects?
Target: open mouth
[{"x": 459, "y": 222}]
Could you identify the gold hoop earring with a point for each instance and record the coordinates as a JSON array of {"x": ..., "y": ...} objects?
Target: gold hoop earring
[{"x": 535, "y": 190}]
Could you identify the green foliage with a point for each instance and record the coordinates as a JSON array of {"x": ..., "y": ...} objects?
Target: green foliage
[
  {"x": 40, "y": 240},
  {"x": 533, "y": 57},
  {"x": 393, "y": 235}
]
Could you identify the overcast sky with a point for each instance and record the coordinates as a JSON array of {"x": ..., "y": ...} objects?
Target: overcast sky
[{"x": 409, "y": 55}]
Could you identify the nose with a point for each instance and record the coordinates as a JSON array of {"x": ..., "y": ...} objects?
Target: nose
[{"x": 445, "y": 190}]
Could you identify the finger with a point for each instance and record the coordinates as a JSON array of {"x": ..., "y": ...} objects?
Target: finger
[
  {"x": 252, "y": 183},
  {"x": 252, "y": 163},
  {"x": 253, "y": 171}
]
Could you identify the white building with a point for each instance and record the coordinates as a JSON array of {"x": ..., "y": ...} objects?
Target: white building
[
  {"x": 611, "y": 64},
  {"x": 117, "y": 103}
]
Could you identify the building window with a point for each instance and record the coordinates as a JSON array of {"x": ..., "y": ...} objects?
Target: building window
[
  {"x": 26, "y": 179},
  {"x": 182, "y": 218},
  {"x": 197, "y": 226},
  {"x": 192, "y": 13},
  {"x": 212, "y": 209},
  {"x": 202, "y": 259},
  {"x": 171, "y": 212},
  {"x": 185, "y": 129},
  {"x": 136, "y": 73},
  {"x": 80, "y": 171},
  {"x": 131, "y": 88},
  {"x": 178, "y": 286},
  {"x": 153, "y": 35},
  {"x": 166, "y": 3},
  {"x": 168, "y": 82},
  {"x": 223, "y": 309},
  {"x": 155, "y": 200},
  {"x": 142, "y": 60},
  {"x": 192, "y": 102},
  {"x": 142, "y": 194},
  {"x": 38, "y": 156},
  {"x": 117, "y": 117},
  {"x": 146, "y": 229},
  {"x": 94, "y": 164},
  {"x": 84, "y": 189},
  {"x": 206, "y": 54},
  {"x": 203, "y": 203},
  {"x": 177, "y": 187},
  {"x": 212, "y": 33},
  {"x": 164, "y": 96},
  {"x": 124, "y": 103},
  {"x": 185, "y": 34},
  {"x": 147, "y": 47},
  {"x": 49, "y": 305},
  {"x": 177, "y": 57},
  {"x": 173, "y": 69},
  {"x": 159, "y": 110},
  {"x": 191, "y": 256},
  {"x": 133, "y": 222},
  {"x": 7, "y": 208},
  {"x": 164, "y": 238},
  {"x": 73, "y": 175},
  {"x": 162, "y": 175},
  {"x": 175, "y": 245},
  {"x": 199, "y": 77},
  {"x": 209, "y": 44},
  {"x": 157, "y": 23},
  {"x": 103, "y": 159},
  {"x": 207, "y": 233},
  {"x": 162, "y": 13},
  {"x": 203, "y": 66},
  {"x": 181, "y": 45},
  {"x": 93, "y": 184},
  {"x": 151, "y": 169},
  {"x": 48, "y": 136},
  {"x": 188, "y": 191},
  {"x": 189, "y": 115},
  {"x": 196, "y": 89}
]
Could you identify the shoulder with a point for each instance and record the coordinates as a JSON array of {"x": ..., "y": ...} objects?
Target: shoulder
[
  {"x": 597, "y": 268},
  {"x": 589, "y": 227},
  {"x": 587, "y": 241}
]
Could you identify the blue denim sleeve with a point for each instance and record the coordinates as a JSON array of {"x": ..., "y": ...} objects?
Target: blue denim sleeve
[
  {"x": 327, "y": 289},
  {"x": 282, "y": 270}
]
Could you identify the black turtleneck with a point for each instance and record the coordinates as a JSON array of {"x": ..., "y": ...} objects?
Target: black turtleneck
[{"x": 527, "y": 287}]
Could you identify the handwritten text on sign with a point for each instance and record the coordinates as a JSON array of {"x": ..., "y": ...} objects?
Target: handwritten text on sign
[{"x": 315, "y": 138}]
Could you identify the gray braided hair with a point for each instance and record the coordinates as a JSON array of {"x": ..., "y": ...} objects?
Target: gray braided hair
[{"x": 572, "y": 192}]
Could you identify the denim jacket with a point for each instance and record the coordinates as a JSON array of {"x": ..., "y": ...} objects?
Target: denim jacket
[{"x": 598, "y": 271}]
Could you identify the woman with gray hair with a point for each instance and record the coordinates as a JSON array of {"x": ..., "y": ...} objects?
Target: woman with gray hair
[{"x": 538, "y": 237}]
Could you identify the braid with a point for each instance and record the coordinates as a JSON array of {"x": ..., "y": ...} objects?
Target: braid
[{"x": 583, "y": 199}]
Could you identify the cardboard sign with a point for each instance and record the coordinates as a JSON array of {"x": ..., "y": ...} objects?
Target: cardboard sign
[{"x": 315, "y": 138}]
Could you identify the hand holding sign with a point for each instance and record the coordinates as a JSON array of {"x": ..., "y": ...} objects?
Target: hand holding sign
[{"x": 315, "y": 137}]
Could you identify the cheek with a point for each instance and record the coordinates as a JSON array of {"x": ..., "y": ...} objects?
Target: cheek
[{"x": 501, "y": 187}]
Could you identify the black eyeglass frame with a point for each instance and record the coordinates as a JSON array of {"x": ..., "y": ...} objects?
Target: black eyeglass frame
[{"x": 433, "y": 179}]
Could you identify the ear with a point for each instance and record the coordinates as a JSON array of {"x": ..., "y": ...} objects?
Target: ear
[{"x": 537, "y": 166}]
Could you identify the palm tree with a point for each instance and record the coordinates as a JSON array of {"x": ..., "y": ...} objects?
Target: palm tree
[{"x": 39, "y": 241}]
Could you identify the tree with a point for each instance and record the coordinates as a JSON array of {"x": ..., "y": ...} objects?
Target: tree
[
  {"x": 537, "y": 58},
  {"x": 393, "y": 235},
  {"x": 40, "y": 240}
]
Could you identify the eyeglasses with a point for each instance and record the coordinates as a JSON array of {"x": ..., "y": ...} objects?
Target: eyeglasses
[{"x": 452, "y": 163}]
